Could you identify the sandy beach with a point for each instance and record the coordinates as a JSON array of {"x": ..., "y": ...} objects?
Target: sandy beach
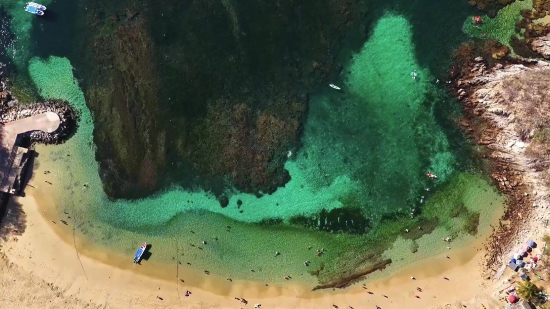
[{"x": 41, "y": 266}]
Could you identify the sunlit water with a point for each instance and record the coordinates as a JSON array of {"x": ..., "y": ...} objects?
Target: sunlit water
[{"x": 357, "y": 182}]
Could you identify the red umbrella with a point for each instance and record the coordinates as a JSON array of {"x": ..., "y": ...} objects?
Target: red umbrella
[
  {"x": 535, "y": 259},
  {"x": 512, "y": 298}
]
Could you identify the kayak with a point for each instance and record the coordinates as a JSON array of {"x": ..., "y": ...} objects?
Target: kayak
[
  {"x": 333, "y": 86},
  {"x": 431, "y": 175}
]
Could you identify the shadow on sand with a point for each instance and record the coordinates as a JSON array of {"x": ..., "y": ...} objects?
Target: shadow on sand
[
  {"x": 147, "y": 254},
  {"x": 13, "y": 220}
]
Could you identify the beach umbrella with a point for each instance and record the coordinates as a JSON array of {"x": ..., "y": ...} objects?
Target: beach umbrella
[
  {"x": 531, "y": 243},
  {"x": 512, "y": 298},
  {"x": 521, "y": 264},
  {"x": 535, "y": 259},
  {"x": 513, "y": 261},
  {"x": 526, "y": 248},
  {"x": 517, "y": 256}
]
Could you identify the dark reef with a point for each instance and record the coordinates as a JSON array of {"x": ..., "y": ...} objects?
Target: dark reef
[{"x": 218, "y": 92}]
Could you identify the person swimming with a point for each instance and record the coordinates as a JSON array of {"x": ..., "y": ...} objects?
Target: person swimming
[{"x": 413, "y": 74}]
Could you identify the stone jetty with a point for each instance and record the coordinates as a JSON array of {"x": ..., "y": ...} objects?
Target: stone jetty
[
  {"x": 21, "y": 125},
  {"x": 67, "y": 120}
]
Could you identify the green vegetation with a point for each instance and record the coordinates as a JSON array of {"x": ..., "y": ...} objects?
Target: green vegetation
[
  {"x": 528, "y": 290},
  {"x": 533, "y": 294},
  {"x": 542, "y": 135},
  {"x": 546, "y": 239},
  {"x": 501, "y": 28}
]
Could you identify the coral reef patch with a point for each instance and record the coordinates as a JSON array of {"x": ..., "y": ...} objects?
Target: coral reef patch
[{"x": 222, "y": 114}]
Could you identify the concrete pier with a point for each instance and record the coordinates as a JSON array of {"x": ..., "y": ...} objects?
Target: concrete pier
[{"x": 14, "y": 158}]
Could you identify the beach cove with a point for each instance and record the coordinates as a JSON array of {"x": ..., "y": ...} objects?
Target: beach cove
[{"x": 332, "y": 220}]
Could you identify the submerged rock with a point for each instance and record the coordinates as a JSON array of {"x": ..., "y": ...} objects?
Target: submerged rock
[{"x": 223, "y": 200}]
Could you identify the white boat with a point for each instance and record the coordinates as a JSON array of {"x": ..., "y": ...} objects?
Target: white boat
[
  {"x": 36, "y": 5},
  {"x": 333, "y": 86},
  {"x": 33, "y": 10}
]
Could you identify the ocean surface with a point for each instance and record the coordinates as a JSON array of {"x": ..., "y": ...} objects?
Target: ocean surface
[{"x": 329, "y": 179}]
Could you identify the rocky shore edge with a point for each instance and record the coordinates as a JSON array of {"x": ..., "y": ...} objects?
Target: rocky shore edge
[
  {"x": 495, "y": 109},
  {"x": 11, "y": 109}
]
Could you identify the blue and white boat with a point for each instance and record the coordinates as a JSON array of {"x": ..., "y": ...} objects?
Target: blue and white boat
[
  {"x": 35, "y": 8},
  {"x": 140, "y": 252},
  {"x": 37, "y": 5}
]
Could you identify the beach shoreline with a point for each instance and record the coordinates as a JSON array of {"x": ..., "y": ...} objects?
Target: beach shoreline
[{"x": 41, "y": 251}]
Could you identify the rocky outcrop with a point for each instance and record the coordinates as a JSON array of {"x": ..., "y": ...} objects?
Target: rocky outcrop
[
  {"x": 508, "y": 103},
  {"x": 541, "y": 45},
  {"x": 491, "y": 7}
]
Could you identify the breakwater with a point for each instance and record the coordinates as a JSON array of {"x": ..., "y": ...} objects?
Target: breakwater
[{"x": 66, "y": 114}]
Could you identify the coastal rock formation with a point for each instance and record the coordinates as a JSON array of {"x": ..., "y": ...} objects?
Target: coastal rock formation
[
  {"x": 491, "y": 7},
  {"x": 541, "y": 45},
  {"x": 508, "y": 101}
]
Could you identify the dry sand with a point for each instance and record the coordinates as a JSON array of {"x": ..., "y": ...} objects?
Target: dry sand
[{"x": 40, "y": 270}]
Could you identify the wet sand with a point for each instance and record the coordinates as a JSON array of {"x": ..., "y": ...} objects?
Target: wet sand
[{"x": 83, "y": 277}]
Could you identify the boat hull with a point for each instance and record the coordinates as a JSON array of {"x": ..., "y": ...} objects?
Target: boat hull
[
  {"x": 37, "y": 5},
  {"x": 139, "y": 253},
  {"x": 34, "y": 11}
]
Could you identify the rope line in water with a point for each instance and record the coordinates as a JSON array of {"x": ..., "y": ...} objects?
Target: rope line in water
[
  {"x": 74, "y": 243},
  {"x": 177, "y": 272}
]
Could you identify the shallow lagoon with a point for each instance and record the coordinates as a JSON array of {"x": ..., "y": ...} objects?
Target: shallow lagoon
[{"x": 356, "y": 180}]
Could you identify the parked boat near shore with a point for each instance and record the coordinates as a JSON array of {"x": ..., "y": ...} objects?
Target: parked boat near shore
[{"x": 139, "y": 253}]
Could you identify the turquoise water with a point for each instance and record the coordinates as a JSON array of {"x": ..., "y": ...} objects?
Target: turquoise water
[{"x": 357, "y": 181}]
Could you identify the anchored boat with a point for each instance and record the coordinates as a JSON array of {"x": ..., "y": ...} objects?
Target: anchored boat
[
  {"x": 37, "y": 5},
  {"x": 35, "y": 8},
  {"x": 140, "y": 252}
]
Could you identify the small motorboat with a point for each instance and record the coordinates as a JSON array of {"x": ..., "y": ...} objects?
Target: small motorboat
[
  {"x": 33, "y": 10},
  {"x": 333, "y": 86},
  {"x": 431, "y": 175},
  {"x": 37, "y": 5},
  {"x": 139, "y": 253}
]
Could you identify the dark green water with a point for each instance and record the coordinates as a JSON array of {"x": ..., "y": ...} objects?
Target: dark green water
[{"x": 190, "y": 100}]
